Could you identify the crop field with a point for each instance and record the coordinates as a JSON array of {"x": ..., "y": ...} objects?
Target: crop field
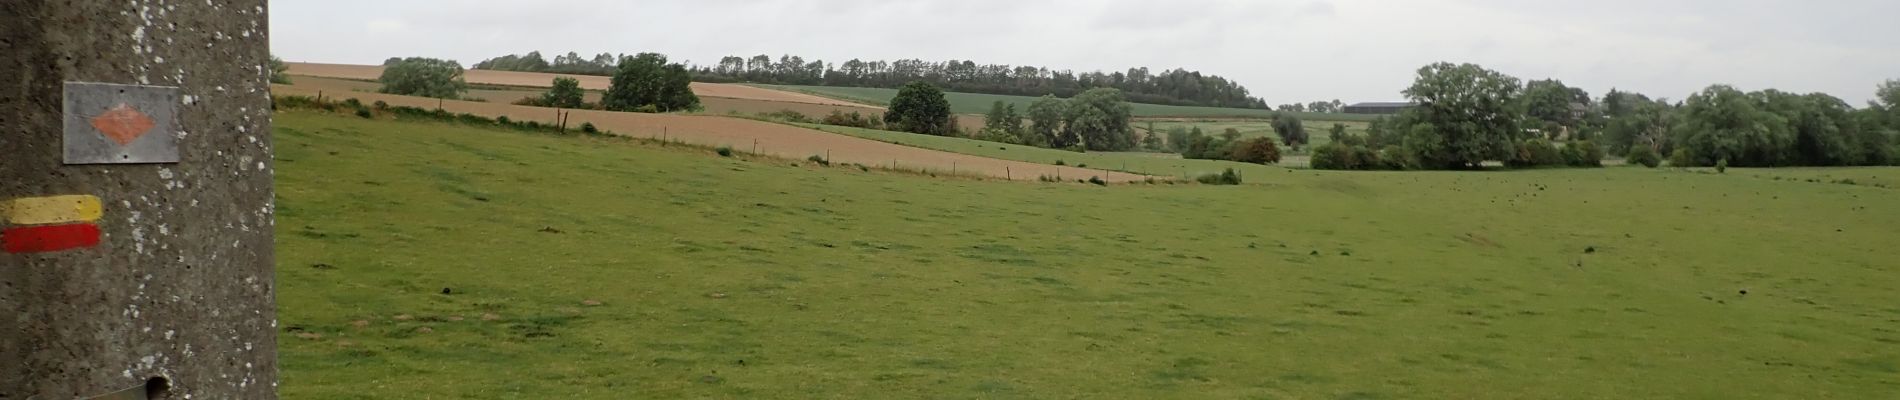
[
  {"x": 540, "y": 80},
  {"x": 973, "y": 103},
  {"x": 742, "y": 135},
  {"x": 430, "y": 260}
]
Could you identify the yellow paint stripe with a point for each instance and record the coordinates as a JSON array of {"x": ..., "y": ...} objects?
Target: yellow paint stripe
[{"x": 51, "y": 210}]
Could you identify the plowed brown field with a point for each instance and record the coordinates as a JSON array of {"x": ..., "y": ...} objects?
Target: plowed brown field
[
  {"x": 535, "y": 79},
  {"x": 742, "y": 134}
]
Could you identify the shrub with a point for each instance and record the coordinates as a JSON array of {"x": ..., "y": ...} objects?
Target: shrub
[
  {"x": 504, "y": 120},
  {"x": 1644, "y": 156},
  {"x": 649, "y": 109},
  {"x": 1681, "y": 159},
  {"x": 1721, "y": 167},
  {"x": 820, "y": 160},
  {"x": 1364, "y": 158},
  {"x": 1583, "y": 154},
  {"x": 364, "y": 112},
  {"x": 724, "y": 151},
  {"x": 589, "y": 128},
  {"x": 1332, "y": 156},
  {"x": 788, "y": 116},
  {"x": 1098, "y": 181},
  {"x": 1228, "y": 177},
  {"x": 352, "y": 103},
  {"x": 1256, "y": 151},
  {"x": 1060, "y": 163},
  {"x": 1537, "y": 152},
  {"x": 381, "y": 105},
  {"x": 1396, "y": 158}
]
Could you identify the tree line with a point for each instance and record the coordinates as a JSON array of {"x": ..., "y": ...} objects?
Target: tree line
[
  {"x": 1141, "y": 85},
  {"x": 1468, "y": 115},
  {"x": 646, "y": 82}
]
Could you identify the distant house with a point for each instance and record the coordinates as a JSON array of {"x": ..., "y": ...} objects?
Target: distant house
[{"x": 1378, "y": 108}]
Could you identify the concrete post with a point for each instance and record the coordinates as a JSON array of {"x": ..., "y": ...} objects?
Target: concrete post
[{"x": 114, "y": 276}]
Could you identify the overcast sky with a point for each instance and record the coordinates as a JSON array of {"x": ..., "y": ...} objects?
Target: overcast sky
[{"x": 1283, "y": 51}]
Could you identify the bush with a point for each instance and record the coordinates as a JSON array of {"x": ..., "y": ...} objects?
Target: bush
[
  {"x": 381, "y": 105},
  {"x": 1681, "y": 159},
  {"x": 1098, "y": 181},
  {"x": 1228, "y": 177},
  {"x": 1256, "y": 151},
  {"x": 1537, "y": 152},
  {"x": 1583, "y": 154},
  {"x": 1332, "y": 157},
  {"x": 1721, "y": 167},
  {"x": 589, "y": 128},
  {"x": 820, "y": 160},
  {"x": 1397, "y": 159},
  {"x": 364, "y": 112},
  {"x": 1060, "y": 163},
  {"x": 724, "y": 151},
  {"x": 1644, "y": 156},
  {"x": 787, "y": 116},
  {"x": 504, "y": 120}
]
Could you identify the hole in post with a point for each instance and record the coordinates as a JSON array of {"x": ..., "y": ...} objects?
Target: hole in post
[{"x": 158, "y": 388}]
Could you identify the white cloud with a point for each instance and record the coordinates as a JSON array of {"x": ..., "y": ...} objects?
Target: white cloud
[{"x": 1284, "y": 51}]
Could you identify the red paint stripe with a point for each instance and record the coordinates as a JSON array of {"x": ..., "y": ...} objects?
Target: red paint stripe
[{"x": 45, "y": 239}]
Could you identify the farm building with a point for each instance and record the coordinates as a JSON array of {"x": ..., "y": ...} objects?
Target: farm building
[{"x": 1378, "y": 108}]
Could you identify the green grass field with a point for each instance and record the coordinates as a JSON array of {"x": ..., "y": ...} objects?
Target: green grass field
[
  {"x": 1138, "y": 163},
  {"x": 602, "y": 269},
  {"x": 973, "y": 103},
  {"x": 1315, "y": 130}
]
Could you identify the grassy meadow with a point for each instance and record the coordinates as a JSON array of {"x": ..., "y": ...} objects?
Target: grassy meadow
[
  {"x": 974, "y": 103},
  {"x": 430, "y": 260}
]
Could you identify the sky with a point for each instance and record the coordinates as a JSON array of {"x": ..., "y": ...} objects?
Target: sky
[{"x": 1282, "y": 51}]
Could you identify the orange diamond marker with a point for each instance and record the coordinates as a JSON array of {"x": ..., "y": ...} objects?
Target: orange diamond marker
[{"x": 123, "y": 124}]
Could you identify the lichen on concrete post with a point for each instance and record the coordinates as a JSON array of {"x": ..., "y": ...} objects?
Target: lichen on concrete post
[{"x": 124, "y": 270}]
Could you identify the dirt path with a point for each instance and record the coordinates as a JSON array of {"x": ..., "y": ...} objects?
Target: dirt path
[
  {"x": 535, "y": 79},
  {"x": 743, "y": 134}
]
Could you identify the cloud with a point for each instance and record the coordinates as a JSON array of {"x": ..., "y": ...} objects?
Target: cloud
[{"x": 1283, "y": 50}]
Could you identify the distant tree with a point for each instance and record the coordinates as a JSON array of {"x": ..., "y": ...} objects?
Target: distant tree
[
  {"x": 1045, "y": 119},
  {"x": 647, "y": 82},
  {"x": 1465, "y": 115},
  {"x": 566, "y": 93},
  {"x": 1002, "y": 124},
  {"x": 920, "y": 108},
  {"x": 1550, "y": 101},
  {"x": 1230, "y": 134},
  {"x": 1291, "y": 130},
  {"x": 278, "y": 71},
  {"x": 1256, "y": 151},
  {"x": 392, "y": 61},
  {"x": 1152, "y": 140},
  {"x": 1177, "y": 139},
  {"x": 1722, "y": 123},
  {"x": 1635, "y": 120},
  {"x": 1101, "y": 118},
  {"x": 1337, "y": 134},
  {"x": 425, "y": 77}
]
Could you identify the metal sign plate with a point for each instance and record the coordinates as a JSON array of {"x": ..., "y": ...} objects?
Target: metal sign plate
[{"x": 121, "y": 124}]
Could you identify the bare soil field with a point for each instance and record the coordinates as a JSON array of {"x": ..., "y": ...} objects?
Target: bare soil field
[
  {"x": 534, "y": 79},
  {"x": 740, "y": 134}
]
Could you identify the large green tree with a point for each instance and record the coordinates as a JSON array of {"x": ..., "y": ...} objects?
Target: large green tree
[
  {"x": 1291, "y": 130},
  {"x": 1045, "y": 123},
  {"x": 426, "y": 77},
  {"x": 566, "y": 93},
  {"x": 1100, "y": 117},
  {"x": 1466, "y": 115},
  {"x": 1635, "y": 120},
  {"x": 1551, "y": 101},
  {"x": 920, "y": 108},
  {"x": 646, "y": 82},
  {"x": 1722, "y": 123}
]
